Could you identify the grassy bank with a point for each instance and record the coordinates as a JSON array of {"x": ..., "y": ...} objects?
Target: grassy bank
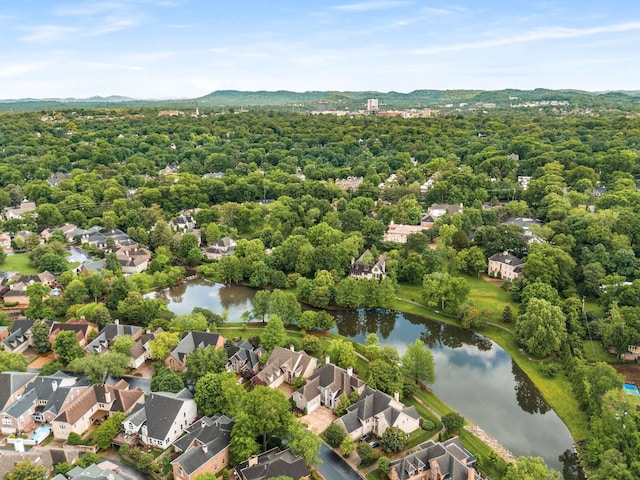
[
  {"x": 556, "y": 391},
  {"x": 18, "y": 263}
]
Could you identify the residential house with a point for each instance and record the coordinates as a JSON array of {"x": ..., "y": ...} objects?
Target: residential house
[
  {"x": 505, "y": 266},
  {"x": 284, "y": 365},
  {"x": 204, "y": 448},
  {"x": 225, "y": 247},
  {"x": 524, "y": 181},
  {"x": 55, "y": 178},
  {"x": 133, "y": 260},
  {"x": 13, "y": 386},
  {"x": 4, "y": 332},
  {"x": 374, "y": 412},
  {"x": 141, "y": 350},
  {"x": 435, "y": 461},
  {"x": 426, "y": 186},
  {"x": 106, "y": 336},
  {"x": 362, "y": 269},
  {"x": 191, "y": 341},
  {"x": 18, "y": 417},
  {"x": 46, "y": 278},
  {"x": 94, "y": 405},
  {"x": 92, "y": 266},
  {"x": 525, "y": 224},
  {"x": 162, "y": 419},
  {"x": 81, "y": 327},
  {"x": 349, "y": 183},
  {"x": 244, "y": 358},
  {"x": 399, "y": 233},
  {"x": 19, "y": 338},
  {"x": 65, "y": 229},
  {"x": 102, "y": 471},
  {"x": 18, "y": 212},
  {"x": 326, "y": 386},
  {"x": 438, "y": 210},
  {"x": 273, "y": 463},
  {"x": 183, "y": 223},
  {"x": 45, "y": 456}
]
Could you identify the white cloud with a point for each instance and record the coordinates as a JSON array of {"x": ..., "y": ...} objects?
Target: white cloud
[
  {"x": 541, "y": 34},
  {"x": 114, "y": 66},
  {"x": 18, "y": 69},
  {"x": 48, "y": 33},
  {"x": 367, "y": 6}
]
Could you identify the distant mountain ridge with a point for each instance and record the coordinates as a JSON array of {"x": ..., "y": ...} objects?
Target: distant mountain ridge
[{"x": 339, "y": 100}]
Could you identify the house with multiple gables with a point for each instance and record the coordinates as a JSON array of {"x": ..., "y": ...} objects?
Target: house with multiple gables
[
  {"x": 66, "y": 229},
  {"x": 326, "y": 386},
  {"x": 505, "y": 266},
  {"x": 102, "y": 471},
  {"x": 399, "y": 233},
  {"x": 81, "y": 327},
  {"x": 16, "y": 292},
  {"x": 225, "y": 247},
  {"x": 185, "y": 222},
  {"x": 39, "y": 397},
  {"x": 162, "y": 419},
  {"x": 189, "y": 342},
  {"x": 19, "y": 338},
  {"x": 94, "y": 405},
  {"x": 20, "y": 210},
  {"x": 244, "y": 358},
  {"x": 46, "y": 456},
  {"x": 435, "y": 461},
  {"x": 204, "y": 448},
  {"x": 106, "y": 336},
  {"x": 362, "y": 269},
  {"x": 374, "y": 412},
  {"x": 273, "y": 463},
  {"x": 133, "y": 260},
  {"x": 284, "y": 365}
]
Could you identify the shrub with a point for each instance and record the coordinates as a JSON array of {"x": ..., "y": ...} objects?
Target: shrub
[
  {"x": 74, "y": 439},
  {"x": 334, "y": 434},
  {"x": 428, "y": 425},
  {"x": 550, "y": 369},
  {"x": 383, "y": 465},
  {"x": 347, "y": 446},
  {"x": 393, "y": 440},
  {"x": 453, "y": 421},
  {"x": 298, "y": 382}
]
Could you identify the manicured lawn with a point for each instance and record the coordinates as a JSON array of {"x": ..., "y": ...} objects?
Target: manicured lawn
[
  {"x": 489, "y": 296},
  {"x": 18, "y": 263}
]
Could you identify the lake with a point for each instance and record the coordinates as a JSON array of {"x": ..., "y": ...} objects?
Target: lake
[{"x": 474, "y": 375}]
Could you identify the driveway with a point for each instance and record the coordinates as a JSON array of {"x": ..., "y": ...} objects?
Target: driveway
[
  {"x": 334, "y": 467},
  {"x": 318, "y": 420}
]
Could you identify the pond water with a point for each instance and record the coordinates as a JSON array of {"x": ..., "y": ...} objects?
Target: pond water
[{"x": 474, "y": 375}]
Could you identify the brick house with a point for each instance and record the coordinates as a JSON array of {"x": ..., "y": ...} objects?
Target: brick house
[{"x": 505, "y": 266}]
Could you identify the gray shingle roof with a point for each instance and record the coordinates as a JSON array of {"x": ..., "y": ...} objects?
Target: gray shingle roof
[
  {"x": 192, "y": 340},
  {"x": 11, "y": 382},
  {"x": 160, "y": 410},
  {"x": 274, "y": 463}
]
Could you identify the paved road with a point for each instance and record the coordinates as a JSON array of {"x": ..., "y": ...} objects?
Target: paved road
[
  {"x": 333, "y": 467},
  {"x": 127, "y": 472}
]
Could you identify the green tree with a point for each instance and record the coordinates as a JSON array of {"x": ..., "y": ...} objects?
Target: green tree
[
  {"x": 166, "y": 380},
  {"x": 342, "y": 353},
  {"x": 37, "y": 308},
  {"x": 99, "y": 367},
  {"x": 122, "y": 344},
  {"x": 261, "y": 302},
  {"x": 507, "y": 315},
  {"x": 162, "y": 345},
  {"x": 452, "y": 421},
  {"x": 40, "y": 336},
  {"x": 444, "y": 291},
  {"x": 285, "y": 305},
  {"x": 383, "y": 465},
  {"x": 366, "y": 453},
  {"x": 542, "y": 328},
  {"x": 67, "y": 347},
  {"x": 417, "y": 363},
  {"x": 334, "y": 434},
  {"x": 243, "y": 439},
  {"x": 219, "y": 393},
  {"x": 304, "y": 443},
  {"x": 530, "y": 468},
  {"x": 104, "y": 434},
  {"x": 27, "y": 470},
  {"x": 186, "y": 322},
  {"x": 384, "y": 376},
  {"x": 348, "y": 445},
  {"x": 393, "y": 440},
  {"x": 274, "y": 334},
  {"x": 205, "y": 360},
  {"x": 12, "y": 362},
  {"x": 268, "y": 411},
  {"x": 75, "y": 292}
]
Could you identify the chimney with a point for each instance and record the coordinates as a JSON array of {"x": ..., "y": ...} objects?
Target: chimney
[
  {"x": 327, "y": 360},
  {"x": 292, "y": 348},
  {"x": 205, "y": 449},
  {"x": 208, "y": 330},
  {"x": 116, "y": 321},
  {"x": 253, "y": 460},
  {"x": 350, "y": 371},
  {"x": 54, "y": 385},
  {"x": 396, "y": 396},
  {"x": 107, "y": 396}
]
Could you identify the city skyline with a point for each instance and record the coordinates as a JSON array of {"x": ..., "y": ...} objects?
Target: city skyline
[{"x": 188, "y": 48}]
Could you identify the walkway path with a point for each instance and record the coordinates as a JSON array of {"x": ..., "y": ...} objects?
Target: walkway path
[{"x": 505, "y": 454}]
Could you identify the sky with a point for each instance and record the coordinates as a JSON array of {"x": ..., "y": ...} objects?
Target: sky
[{"x": 189, "y": 48}]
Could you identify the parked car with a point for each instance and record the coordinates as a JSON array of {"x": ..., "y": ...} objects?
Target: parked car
[
  {"x": 374, "y": 444},
  {"x": 365, "y": 438}
]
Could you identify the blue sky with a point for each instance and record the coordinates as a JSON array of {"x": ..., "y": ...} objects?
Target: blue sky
[{"x": 188, "y": 48}]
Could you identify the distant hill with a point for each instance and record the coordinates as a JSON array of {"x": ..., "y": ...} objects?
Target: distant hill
[{"x": 341, "y": 100}]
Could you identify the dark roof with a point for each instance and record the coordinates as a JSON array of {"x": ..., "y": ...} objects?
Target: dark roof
[
  {"x": 23, "y": 325},
  {"x": 192, "y": 340},
  {"x": 274, "y": 463},
  {"x": 329, "y": 375},
  {"x": 11, "y": 382},
  {"x": 108, "y": 334},
  {"x": 161, "y": 409},
  {"x": 203, "y": 441},
  {"x": 507, "y": 258}
]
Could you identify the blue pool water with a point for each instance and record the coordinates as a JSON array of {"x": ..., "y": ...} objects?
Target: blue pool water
[
  {"x": 41, "y": 433},
  {"x": 631, "y": 390}
]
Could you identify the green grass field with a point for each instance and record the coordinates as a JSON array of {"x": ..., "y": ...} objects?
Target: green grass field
[{"x": 18, "y": 263}]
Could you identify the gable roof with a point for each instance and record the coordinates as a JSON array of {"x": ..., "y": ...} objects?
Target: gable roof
[
  {"x": 101, "y": 342},
  {"x": 11, "y": 382},
  {"x": 506, "y": 258},
  {"x": 284, "y": 360},
  {"x": 195, "y": 339},
  {"x": 274, "y": 463},
  {"x": 159, "y": 412},
  {"x": 204, "y": 440},
  {"x": 331, "y": 376}
]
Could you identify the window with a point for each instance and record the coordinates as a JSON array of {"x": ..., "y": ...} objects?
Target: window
[
  {"x": 7, "y": 421},
  {"x": 62, "y": 427}
]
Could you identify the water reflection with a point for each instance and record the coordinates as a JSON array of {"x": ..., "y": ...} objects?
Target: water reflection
[{"x": 529, "y": 397}]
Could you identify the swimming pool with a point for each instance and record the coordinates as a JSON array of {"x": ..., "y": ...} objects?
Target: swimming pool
[
  {"x": 40, "y": 434},
  {"x": 631, "y": 390}
]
